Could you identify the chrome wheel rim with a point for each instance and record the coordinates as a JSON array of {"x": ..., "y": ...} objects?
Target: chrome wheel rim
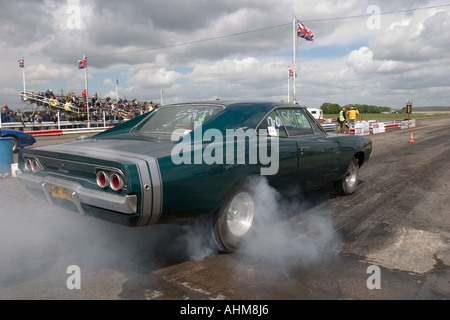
[
  {"x": 15, "y": 145},
  {"x": 352, "y": 174},
  {"x": 240, "y": 214}
]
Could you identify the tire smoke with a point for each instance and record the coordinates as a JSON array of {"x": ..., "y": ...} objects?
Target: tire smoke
[{"x": 288, "y": 231}]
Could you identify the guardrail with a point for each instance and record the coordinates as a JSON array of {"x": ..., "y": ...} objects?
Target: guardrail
[
  {"x": 70, "y": 127},
  {"x": 64, "y": 127},
  {"x": 330, "y": 126},
  {"x": 32, "y": 126},
  {"x": 40, "y": 98}
]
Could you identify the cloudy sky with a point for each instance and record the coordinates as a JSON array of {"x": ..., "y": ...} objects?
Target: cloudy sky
[{"x": 367, "y": 52}]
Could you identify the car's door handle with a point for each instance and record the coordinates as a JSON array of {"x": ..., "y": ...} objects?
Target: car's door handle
[{"x": 303, "y": 150}]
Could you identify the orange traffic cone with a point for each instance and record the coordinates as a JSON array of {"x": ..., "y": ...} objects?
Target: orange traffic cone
[{"x": 411, "y": 139}]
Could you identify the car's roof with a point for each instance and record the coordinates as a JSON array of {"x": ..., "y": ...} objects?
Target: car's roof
[
  {"x": 240, "y": 103},
  {"x": 243, "y": 113}
]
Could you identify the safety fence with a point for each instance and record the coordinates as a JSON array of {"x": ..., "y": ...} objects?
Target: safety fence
[
  {"x": 71, "y": 127},
  {"x": 63, "y": 127}
]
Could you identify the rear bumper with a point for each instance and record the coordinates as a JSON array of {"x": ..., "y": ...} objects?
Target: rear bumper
[{"x": 81, "y": 195}]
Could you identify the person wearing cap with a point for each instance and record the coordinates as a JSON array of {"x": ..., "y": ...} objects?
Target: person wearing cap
[{"x": 352, "y": 113}]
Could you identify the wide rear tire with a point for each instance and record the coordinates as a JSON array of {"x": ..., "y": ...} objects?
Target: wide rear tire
[
  {"x": 349, "y": 182},
  {"x": 234, "y": 220}
]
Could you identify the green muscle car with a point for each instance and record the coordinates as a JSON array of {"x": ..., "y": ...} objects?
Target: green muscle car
[{"x": 191, "y": 160}]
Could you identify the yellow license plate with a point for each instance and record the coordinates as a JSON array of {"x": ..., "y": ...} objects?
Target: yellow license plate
[{"x": 61, "y": 193}]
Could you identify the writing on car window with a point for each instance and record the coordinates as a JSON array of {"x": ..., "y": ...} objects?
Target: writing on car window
[
  {"x": 169, "y": 119},
  {"x": 296, "y": 122},
  {"x": 272, "y": 125},
  {"x": 292, "y": 122}
]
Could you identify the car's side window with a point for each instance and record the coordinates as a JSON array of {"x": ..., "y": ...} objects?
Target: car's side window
[
  {"x": 272, "y": 125},
  {"x": 296, "y": 122},
  {"x": 316, "y": 126}
]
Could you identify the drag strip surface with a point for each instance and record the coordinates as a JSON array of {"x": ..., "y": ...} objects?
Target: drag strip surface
[{"x": 314, "y": 246}]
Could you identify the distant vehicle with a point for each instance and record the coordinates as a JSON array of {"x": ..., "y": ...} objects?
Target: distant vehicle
[
  {"x": 187, "y": 160},
  {"x": 20, "y": 139},
  {"x": 316, "y": 113}
]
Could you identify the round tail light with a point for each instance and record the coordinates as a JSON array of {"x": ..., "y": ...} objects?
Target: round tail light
[
  {"x": 117, "y": 183},
  {"x": 35, "y": 167},
  {"x": 102, "y": 179},
  {"x": 28, "y": 164}
]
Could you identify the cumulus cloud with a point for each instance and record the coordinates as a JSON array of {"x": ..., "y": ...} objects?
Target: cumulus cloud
[
  {"x": 230, "y": 49},
  {"x": 160, "y": 77}
]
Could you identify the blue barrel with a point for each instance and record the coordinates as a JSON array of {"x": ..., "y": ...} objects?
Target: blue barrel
[{"x": 6, "y": 155}]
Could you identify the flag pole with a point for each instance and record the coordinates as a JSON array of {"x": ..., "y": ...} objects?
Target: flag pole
[
  {"x": 289, "y": 80},
  {"x": 117, "y": 90},
  {"x": 24, "y": 88},
  {"x": 87, "y": 95},
  {"x": 294, "y": 19},
  {"x": 162, "y": 91}
]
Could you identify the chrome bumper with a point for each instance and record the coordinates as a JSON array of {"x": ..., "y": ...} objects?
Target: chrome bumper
[{"x": 81, "y": 195}]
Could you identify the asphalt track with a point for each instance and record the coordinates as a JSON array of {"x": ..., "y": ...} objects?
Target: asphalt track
[{"x": 388, "y": 241}]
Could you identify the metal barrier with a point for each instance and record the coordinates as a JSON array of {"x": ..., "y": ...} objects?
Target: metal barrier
[
  {"x": 330, "y": 126},
  {"x": 39, "y": 98},
  {"x": 29, "y": 126}
]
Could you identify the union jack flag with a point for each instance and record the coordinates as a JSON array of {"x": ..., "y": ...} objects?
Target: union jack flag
[
  {"x": 21, "y": 63},
  {"x": 304, "y": 32},
  {"x": 291, "y": 73},
  {"x": 82, "y": 63}
]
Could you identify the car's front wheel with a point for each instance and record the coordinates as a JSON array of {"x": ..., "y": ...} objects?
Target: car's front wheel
[
  {"x": 235, "y": 219},
  {"x": 349, "y": 182}
]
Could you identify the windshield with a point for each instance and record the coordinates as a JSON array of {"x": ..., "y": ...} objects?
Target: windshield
[{"x": 186, "y": 117}]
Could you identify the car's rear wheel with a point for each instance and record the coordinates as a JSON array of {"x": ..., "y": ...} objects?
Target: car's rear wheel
[
  {"x": 234, "y": 220},
  {"x": 349, "y": 182}
]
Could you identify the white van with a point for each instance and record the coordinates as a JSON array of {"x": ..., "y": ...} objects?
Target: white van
[{"x": 317, "y": 113}]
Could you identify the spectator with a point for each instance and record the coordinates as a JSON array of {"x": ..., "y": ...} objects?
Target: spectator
[
  {"x": 12, "y": 116},
  {"x": 49, "y": 94},
  {"x": 19, "y": 115},
  {"x": 46, "y": 118},
  {"x": 53, "y": 102},
  {"x": 342, "y": 119},
  {"x": 37, "y": 119},
  {"x": 4, "y": 117},
  {"x": 30, "y": 119},
  {"x": 352, "y": 113},
  {"x": 6, "y": 109}
]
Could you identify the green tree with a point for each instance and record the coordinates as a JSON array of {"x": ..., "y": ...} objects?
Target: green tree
[{"x": 330, "y": 108}]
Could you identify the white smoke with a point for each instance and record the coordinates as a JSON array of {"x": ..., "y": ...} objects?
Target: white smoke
[
  {"x": 287, "y": 232},
  {"x": 39, "y": 241}
]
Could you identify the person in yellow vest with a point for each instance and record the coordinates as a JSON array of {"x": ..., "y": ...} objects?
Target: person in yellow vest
[
  {"x": 342, "y": 119},
  {"x": 352, "y": 113},
  {"x": 68, "y": 106},
  {"x": 150, "y": 106},
  {"x": 52, "y": 102}
]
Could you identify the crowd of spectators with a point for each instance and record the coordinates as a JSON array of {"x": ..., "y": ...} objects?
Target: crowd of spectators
[
  {"x": 72, "y": 102},
  {"x": 73, "y": 108}
]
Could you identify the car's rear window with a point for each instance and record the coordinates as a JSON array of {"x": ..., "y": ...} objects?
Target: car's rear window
[{"x": 168, "y": 119}]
